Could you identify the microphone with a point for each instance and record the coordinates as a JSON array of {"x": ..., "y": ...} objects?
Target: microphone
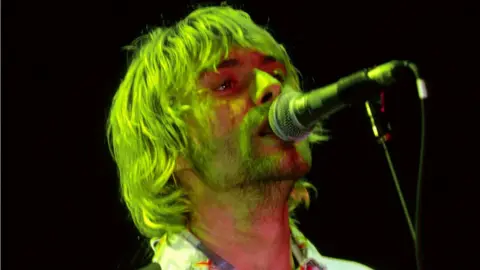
[{"x": 293, "y": 114}]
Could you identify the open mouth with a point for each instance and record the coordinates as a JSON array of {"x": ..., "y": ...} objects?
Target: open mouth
[
  {"x": 263, "y": 134},
  {"x": 265, "y": 130}
]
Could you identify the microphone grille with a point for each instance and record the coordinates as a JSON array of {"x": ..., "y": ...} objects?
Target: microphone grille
[{"x": 282, "y": 118}]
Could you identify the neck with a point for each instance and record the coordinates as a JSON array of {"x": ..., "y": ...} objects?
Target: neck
[{"x": 250, "y": 233}]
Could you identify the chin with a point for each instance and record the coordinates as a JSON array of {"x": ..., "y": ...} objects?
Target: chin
[
  {"x": 297, "y": 158},
  {"x": 281, "y": 160},
  {"x": 294, "y": 165},
  {"x": 291, "y": 163}
]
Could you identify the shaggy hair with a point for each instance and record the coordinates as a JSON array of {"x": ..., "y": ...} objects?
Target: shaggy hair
[{"x": 146, "y": 131}]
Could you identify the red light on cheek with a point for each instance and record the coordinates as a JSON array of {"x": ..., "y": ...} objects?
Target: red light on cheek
[{"x": 388, "y": 137}]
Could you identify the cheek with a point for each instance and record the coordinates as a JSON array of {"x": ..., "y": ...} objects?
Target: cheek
[{"x": 229, "y": 114}]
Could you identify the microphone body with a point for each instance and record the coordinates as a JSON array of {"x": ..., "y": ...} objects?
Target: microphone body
[{"x": 293, "y": 114}]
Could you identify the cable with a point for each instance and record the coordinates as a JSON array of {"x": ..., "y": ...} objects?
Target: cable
[
  {"x": 419, "y": 185},
  {"x": 422, "y": 94}
]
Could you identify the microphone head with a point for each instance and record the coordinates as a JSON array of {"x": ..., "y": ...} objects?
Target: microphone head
[{"x": 283, "y": 120}]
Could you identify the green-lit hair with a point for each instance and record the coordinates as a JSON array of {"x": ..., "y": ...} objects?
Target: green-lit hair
[{"x": 146, "y": 132}]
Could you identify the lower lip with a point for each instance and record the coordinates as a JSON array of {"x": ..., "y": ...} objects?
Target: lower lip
[
  {"x": 270, "y": 135},
  {"x": 273, "y": 137}
]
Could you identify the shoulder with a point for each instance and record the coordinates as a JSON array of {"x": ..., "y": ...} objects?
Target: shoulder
[
  {"x": 152, "y": 266},
  {"x": 342, "y": 264}
]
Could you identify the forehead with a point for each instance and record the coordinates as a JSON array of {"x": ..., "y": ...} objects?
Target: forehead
[{"x": 243, "y": 52}]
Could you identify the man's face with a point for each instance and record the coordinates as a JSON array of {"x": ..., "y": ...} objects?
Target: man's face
[{"x": 239, "y": 150}]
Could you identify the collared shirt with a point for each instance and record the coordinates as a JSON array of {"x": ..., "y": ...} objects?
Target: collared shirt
[{"x": 184, "y": 251}]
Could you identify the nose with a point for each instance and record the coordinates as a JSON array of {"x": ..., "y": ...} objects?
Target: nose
[{"x": 264, "y": 87}]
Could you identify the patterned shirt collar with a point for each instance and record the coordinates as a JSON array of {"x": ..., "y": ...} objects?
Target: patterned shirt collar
[{"x": 185, "y": 251}]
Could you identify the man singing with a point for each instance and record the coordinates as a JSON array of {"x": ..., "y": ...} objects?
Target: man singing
[{"x": 201, "y": 172}]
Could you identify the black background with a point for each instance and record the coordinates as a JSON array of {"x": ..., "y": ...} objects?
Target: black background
[{"x": 63, "y": 61}]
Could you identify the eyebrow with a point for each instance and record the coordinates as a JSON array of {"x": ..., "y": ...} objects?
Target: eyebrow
[
  {"x": 270, "y": 59},
  {"x": 232, "y": 62},
  {"x": 228, "y": 63}
]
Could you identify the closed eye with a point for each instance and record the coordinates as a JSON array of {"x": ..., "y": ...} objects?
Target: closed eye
[{"x": 231, "y": 82}]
